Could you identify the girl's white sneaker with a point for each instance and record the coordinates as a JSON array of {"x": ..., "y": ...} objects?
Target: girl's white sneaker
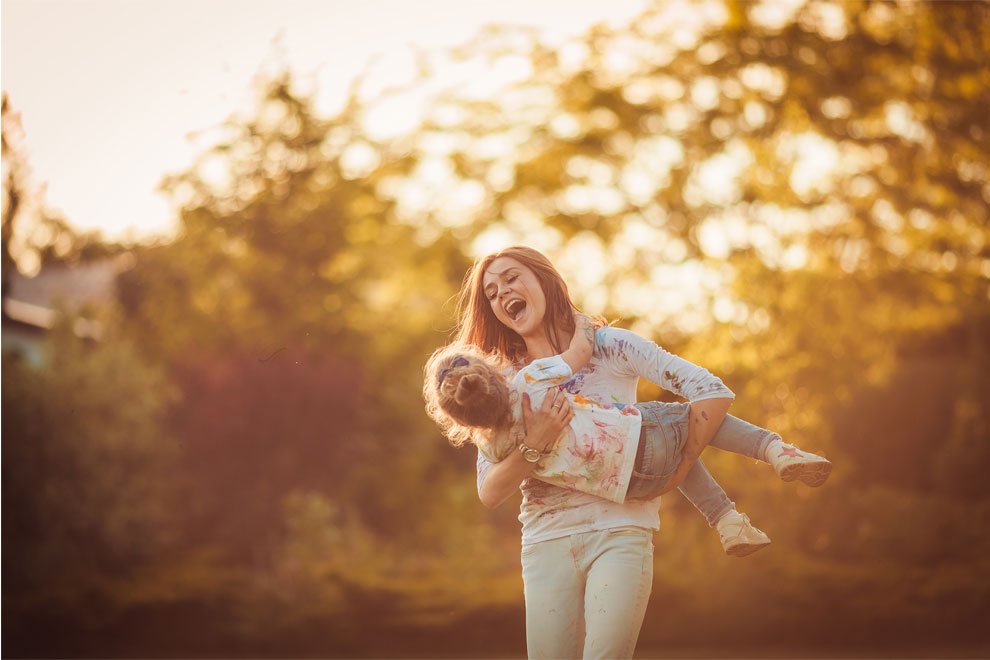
[
  {"x": 739, "y": 537},
  {"x": 791, "y": 463}
]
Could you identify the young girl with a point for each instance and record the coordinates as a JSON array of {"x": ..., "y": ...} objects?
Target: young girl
[{"x": 617, "y": 452}]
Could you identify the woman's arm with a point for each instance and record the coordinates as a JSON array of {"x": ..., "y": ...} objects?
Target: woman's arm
[
  {"x": 704, "y": 419},
  {"x": 631, "y": 355},
  {"x": 543, "y": 428}
]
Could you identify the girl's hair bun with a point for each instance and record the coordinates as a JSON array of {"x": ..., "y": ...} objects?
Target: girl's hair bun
[
  {"x": 464, "y": 391},
  {"x": 471, "y": 386}
]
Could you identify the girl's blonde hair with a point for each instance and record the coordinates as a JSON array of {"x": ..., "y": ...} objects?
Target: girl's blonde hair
[
  {"x": 477, "y": 324},
  {"x": 464, "y": 392}
]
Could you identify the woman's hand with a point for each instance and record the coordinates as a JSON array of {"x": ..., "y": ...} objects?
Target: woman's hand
[{"x": 543, "y": 428}]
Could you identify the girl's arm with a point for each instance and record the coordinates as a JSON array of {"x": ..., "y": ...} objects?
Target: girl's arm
[
  {"x": 582, "y": 343},
  {"x": 547, "y": 373},
  {"x": 543, "y": 428},
  {"x": 497, "y": 481}
]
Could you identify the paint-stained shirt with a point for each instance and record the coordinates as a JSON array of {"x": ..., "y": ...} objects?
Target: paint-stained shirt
[
  {"x": 596, "y": 452},
  {"x": 619, "y": 360}
]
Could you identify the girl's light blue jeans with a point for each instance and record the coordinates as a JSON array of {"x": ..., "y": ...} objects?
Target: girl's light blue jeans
[{"x": 662, "y": 438}]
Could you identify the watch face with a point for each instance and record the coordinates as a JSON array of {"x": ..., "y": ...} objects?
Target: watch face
[{"x": 531, "y": 455}]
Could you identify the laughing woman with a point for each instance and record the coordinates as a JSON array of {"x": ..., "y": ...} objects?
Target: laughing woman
[{"x": 587, "y": 562}]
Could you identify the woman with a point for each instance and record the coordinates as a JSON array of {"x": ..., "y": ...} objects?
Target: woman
[{"x": 587, "y": 562}]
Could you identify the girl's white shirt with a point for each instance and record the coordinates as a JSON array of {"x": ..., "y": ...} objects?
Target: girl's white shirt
[
  {"x": 596, "y": 452},
  {"x": 619, "y": 360}
]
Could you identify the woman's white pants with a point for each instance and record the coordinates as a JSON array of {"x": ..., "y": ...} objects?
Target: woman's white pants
[{"x": 586, "y": 594}]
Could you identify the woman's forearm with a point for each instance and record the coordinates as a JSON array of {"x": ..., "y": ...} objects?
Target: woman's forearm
[
  {"x": 705, "y": 418},
  {"x": 503, "y": 479},
  {"x": 543, "y": 429}
]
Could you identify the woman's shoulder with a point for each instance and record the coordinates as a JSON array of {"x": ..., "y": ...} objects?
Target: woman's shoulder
[
  {"x": 611, "y": 340},
  {"x": 612, "y": 334}
]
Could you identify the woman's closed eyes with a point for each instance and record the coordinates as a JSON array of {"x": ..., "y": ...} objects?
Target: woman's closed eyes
[{"x": 493, "y": 291}]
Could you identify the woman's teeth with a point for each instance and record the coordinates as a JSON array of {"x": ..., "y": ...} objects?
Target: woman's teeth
[{"x": 515, "y": 309}]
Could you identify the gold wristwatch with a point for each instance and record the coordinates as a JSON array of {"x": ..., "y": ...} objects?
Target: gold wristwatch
[{"x": 530, "y": 454}]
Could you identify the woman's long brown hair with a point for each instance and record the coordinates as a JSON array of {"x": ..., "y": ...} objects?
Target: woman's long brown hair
[{"x": 477, "y": 324}]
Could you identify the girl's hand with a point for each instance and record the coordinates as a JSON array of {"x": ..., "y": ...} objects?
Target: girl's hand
[
  {"x": 582, "y": 345},
  {"x": 584, "y": 332},
  {"x": 544, "y": 427}
]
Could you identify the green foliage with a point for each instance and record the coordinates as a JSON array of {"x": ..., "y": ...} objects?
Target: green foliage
[
  {"x": 85, "y": 464},
  {"x": 293, "y": 249}
]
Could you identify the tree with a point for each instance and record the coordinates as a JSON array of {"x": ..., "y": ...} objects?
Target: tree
[
  {"x": 794, "y": 197},
  {"x": 84, "y": 489},
  {"x": 282, "y": 311},
  {"x": 736, "y": 163}
]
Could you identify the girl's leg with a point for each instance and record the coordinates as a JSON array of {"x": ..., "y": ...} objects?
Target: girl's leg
[
  {"x": 788, "y": 461},
  {"x": 619, "y": 569},
  {"x": 741, "y": 437},
  {"x": 701, "y": 490},
  {"x": 738, "y": 536},
  {"x": 665, "y": 430},
  {"x": 553, "y": 584}
]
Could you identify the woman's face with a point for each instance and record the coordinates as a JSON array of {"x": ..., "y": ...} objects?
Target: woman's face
[{"x": 515, "y": 295}]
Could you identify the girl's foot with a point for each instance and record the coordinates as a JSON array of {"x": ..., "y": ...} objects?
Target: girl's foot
[
  {"x": 791, "y": 463},
  {"x": 739, "y": 537}
]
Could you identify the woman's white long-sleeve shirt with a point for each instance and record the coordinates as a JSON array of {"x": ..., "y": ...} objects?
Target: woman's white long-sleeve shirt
[{"x": 620, "y": 359}]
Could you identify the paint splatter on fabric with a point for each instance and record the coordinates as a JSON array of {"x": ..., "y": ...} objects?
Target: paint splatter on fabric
[
  {"x": 595, "y": 454},
  {"x": 621, "y": 358}
]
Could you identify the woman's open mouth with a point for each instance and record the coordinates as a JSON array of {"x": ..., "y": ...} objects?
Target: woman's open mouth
[{"x": 515, "y": 308}]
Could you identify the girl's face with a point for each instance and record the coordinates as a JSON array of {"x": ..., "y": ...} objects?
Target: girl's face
[{"x": 516, "y": 296}]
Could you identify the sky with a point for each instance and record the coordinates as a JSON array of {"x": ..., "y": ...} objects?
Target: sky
[{"x": 110, "y": 91}]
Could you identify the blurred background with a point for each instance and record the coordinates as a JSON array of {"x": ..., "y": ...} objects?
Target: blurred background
[{"x": 214, "y": 443}]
